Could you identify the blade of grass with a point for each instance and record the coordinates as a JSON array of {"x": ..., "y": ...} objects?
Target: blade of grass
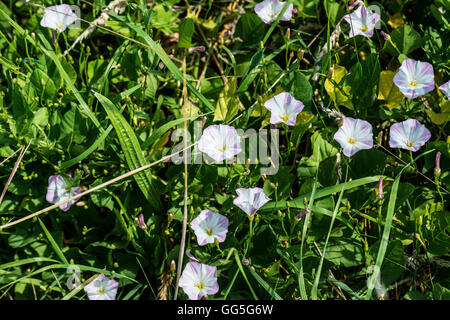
[
  {"x": 319, "y": 269},
  {"x": 298, "y": 202},
  {"x": 156, "y": 47},
  {"x": 132, "y": 150},
  {"x": 53, "y": 243},
  {"x": 103, "y": 136},
  {"x": 265, "y": 285},
  {"x": 387, "y": 229}
]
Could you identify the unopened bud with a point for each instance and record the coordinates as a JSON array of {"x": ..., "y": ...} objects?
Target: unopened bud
[
  {"x": 245, "y": 262},
  {"x": 385, "y": 36},
  {"x": 173, "y": 266},
  {"x": 437, "y": 170},
  {"x": 380, "y": 189},
  {"x": 359, "y": 3},
  {"x": 170, "y": 217},
  {"x": 198, "y": 48},
  {"x": 142, "y": 224},
  {"x": 302, "y": 214}
]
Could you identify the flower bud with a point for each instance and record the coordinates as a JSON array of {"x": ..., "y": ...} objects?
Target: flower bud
[
  {"x": 198, "y": 48},
  {"x": 385, "y": 36},
  {"x": 380, "y": 189},
  {"x": 302, "y": 213},
  {"x": 437, "y": 170},
  {"x": 142, "y": 224}
]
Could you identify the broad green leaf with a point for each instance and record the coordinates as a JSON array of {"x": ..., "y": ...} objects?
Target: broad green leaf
[
  {"x": 186, "y": 31},
  {"x": 322, "y": 149},
  {"x": 132, "y": 150},
  {"x": 340, "y": 94},
  {"x": 228, "y": 103},
  {"x": 441, "y": 117},
  {"x": 388, "y": 91},
  {"x": 298, "y": 85},
  {"x": 405, "y": 38}
]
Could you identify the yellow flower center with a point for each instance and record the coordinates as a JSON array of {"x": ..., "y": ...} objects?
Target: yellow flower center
[
  {"x": 413, "y": 83},
  {"x": 60, "y": 26},
  {"x": 285, "y": 117},
  {"x": 351, "y": 141},
  {"x": 223, "y": 148},
  {"x": 200, "y": 286},
  {"x": 68, "y": 189},
  {"x": 101, "y": 290},
  {"x": 409, "y": 144},
  {"x": 209, "y": 232},
  {"x": 364, "y": 28},
  {"x": 272, "y": 15}
]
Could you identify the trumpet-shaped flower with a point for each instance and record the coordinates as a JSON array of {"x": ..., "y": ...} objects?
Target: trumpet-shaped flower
[
  {"x": 58, "y": 17},
  {"x": 409, "y": 134},
  {"x": 354, "y": 135},
  {"x": 220, "y": 142},
  {"x": 250, "y": 200},
  {"x": 58, "y": 191},
  {"x": 209, "y": 226},
  {"x": 414, "y": 78},
  {"x": 284, "y": 108},
  {"x": 445, "y": 88},
  {"x": 269, "y": 10},
  {"x": 198, "y": 280},
  {"x": 362, "y": 22},
  {"x": 102, "y": 288}
]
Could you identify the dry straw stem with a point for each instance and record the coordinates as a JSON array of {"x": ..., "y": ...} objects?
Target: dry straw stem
[
  {"x": 101, "y": 186},
  {"x": 185, "y": 210},
  {"x": 16, "y": 165}
]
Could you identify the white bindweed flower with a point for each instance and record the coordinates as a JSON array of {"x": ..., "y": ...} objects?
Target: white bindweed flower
[
  {"x": 268, "y": 10},
  {"x": 58, "y": 191},
  {"x": 220, "y": 142},
  {"x": 250, "y": 200},
  {"x": 354, "y": 135},
  {"x": 284, "y": 108},
  {"x": 209, "y": 226},
  {"x": 409, "y": 134},
  {"x": 414, "y": 78},
  {"x": 445, "y": 88},
  {"x": 198, "y": 280},
  {"x": 362, "y": 22},
  {"x": 58, "y": 17},
  {"x": 102, "y": 288}
]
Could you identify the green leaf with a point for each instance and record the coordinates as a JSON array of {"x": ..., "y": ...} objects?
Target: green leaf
[
  {"x": 228, "y": 103},
  {"x": 322, "y": 149},
  {"x": 405, "y": 38},
  {"x": 388, "y": 91},
  {"x": 298, "y": 85},
  {"x": 186, "y": 31},
  {"x": 339, "y": 93},
  {"x": 132, "y": 150}
]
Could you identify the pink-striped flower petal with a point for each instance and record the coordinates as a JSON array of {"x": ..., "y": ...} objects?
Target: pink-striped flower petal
[
  {"x": 284, "y": 108},
  {"x": 59, "y": 191},
  {"x": 220, "y": 142},
  {"x": 354, "y": 135},
  {"x": 268, "y": 10},
  {"x": 209, "y": 226},
  {"x": 198, "y": 280},
  {"x": 58, "y": 17},
  {"x": 250, "y": 200},
  {"x": 445, "y": 88},
  {"x": 414, "y": 78},
  {"x": 362, "y": 22},
  {"x": 102, "y": 288},
  {"x": 409, "y": 134}
]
